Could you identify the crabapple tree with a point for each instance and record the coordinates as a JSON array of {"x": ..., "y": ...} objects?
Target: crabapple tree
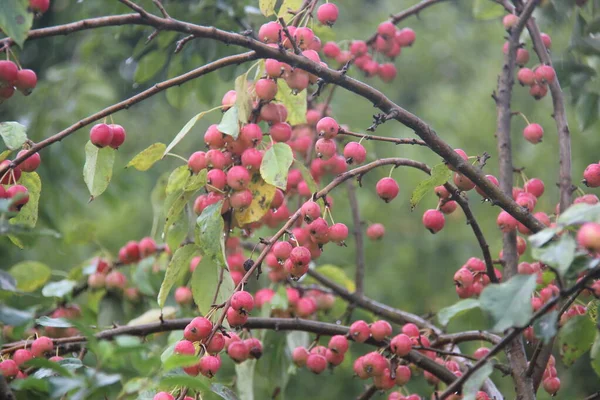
[{"x": 227, "y": 294}]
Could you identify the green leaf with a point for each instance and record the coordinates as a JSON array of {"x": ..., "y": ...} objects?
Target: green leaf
[
  {"x": 179, "y": 360},
  {"x": 337, "y": 275},
  {"x": 543, "y": 236},
  {"x": 13, "y": 133},
  {"x": 178, "y": 266},
  {"x": 97, "y": 170},
  {"x": 5, "y": 154},
  {"x": 267, "y": 7},
  {"x": 30, "y": 275},
  {"x": 446, "y": 314},
  {"x": 484, "y": 10},
  {"x": 587, "y": 110},
  {"x": 15, "y": 19},
  {"x": 307, "y": 176},
  {"x": 595, "y": 355},
  {"x": 244, "y": 382},
  {"x": 209, "y": 233},
  {"x": 205, "y": 280},
  {"x": 242, "y": 98},
  {"x": 28, "y": 215},
  {"x": 186, "y": 129},
  {"x": 295, "y": 103},
  {"x": 229, "y": 124},
  {"x": 276, "y": 164},
  {"x": 509, "y": 303},
  {"x": 545, "y": 327},
  {"x": 59, "y": 289},
  {"x": 30, "y": 384},
  {"x": 575, "y": 338},
  {"x": 45, "y": 363},
  {"x": 153, "y": 315},
  {"x": 144, "y": 160},
  {"x": 558, "y": 254},
  {"x": 14, "y": 317},
  {"x": 579, "y": 213},
  {"x": 53, "y": 322},
  {"x": 474, "y": 383},
  {"x": 290, "y": 5},
  {"x": 191, "y": 382},
  {"x": 439, "y": 175},
  {"x": 180, "y": 188},
  {"x": 150, "y": 65},
  {"x": 223, "y": 391},
  {"x": 262, "y": 195}
]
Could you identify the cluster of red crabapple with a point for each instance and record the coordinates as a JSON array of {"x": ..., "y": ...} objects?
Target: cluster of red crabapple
[{"x": 13, "y": 368}]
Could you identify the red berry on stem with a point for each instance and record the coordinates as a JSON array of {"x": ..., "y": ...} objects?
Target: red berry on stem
[
  {"x": 101, "y": 135},
  {"x": 533, "y": 133},
  {"x": 387, "y": 189},
  {"x": 31, "y": 163},
  {"x": 119, "y": 136},
  {"x": 327, "y": 14},
  {"x": 433, "y": 220},
  {"x": 26, "y": 81},
  {"x": 375, "y": 231}
]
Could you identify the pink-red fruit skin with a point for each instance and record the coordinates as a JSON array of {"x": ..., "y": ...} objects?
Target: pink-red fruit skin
[
  {"x": 433, "y": 220},
  {"x": 101, "y": 135},
  {"x": 387, "y": 189}
]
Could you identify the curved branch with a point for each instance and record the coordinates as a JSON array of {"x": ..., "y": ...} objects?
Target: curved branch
[
  {"x": 125, "y": 104},
  {"x": 276, "y": 324},
  {"x": 466, "y": 336}
]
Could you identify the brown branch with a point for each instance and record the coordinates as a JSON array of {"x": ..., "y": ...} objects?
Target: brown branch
[
  {"x": 182, "y": 42},
  {"x": 161, "y": 8},
  {"x": 391, "y": 314},
  {"x": 456, "y": 386},
  {"x": 500, "y": 367},
  {"x": 125, "y": 104},
  {"x": 414, "y": 10},
  {"x": 383, "y": 138},
  {"x": 472, "y": 222},
  {"x": 368, "y": 393},
  {"x": 358, "y": 238},
  {"x": 277, "y": 324},
  {"x": 467, "y": 336}
]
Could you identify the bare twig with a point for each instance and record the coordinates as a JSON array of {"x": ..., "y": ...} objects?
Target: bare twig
[
  {"x": 383, "y": 138},
  {"x": 368, "y": 393},
  {"x": 358, "y": 238}
]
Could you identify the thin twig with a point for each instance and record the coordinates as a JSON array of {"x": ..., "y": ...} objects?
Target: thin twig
[
  {"x": 383, "y": 138},
  {"x": 368, "y": 393},
  {"x": 358, "y": 238}
]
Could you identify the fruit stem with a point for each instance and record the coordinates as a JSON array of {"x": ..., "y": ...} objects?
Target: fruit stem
[
  {"x": 391, "y": 170},
  {"x": 524, "y": 117},
  {"x": 178, "y": 156}
]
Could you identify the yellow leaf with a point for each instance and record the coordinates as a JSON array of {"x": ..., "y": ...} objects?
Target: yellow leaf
[
  {"x": 153, "y": 316},
  {"x": 262, "y": 195}
]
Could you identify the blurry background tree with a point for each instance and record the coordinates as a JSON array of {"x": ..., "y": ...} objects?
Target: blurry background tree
[{"x": 447, "y": 79}]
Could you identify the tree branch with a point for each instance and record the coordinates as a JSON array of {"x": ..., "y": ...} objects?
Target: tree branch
[
  {"x": 467, "y": 336},
  {"x": 368, "y": 393},
  {"x": 358, "y": 238},
  {"x": 417, "y": 142}
]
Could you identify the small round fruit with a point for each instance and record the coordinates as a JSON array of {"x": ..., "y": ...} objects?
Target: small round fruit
[
  {"x": 387, "y": 189},
  {"x": 101, "y": 135},
  {"x": 375, "y": 231},
  {"x": 41, "y": 346},
  {"x": 31, "y": 163},
  {"x": 183, "y": 295},
  {"x": 359, "y": 331},
  {"x": 533, "y": 133},
  {"x": 380, "y": 330},
  {"x": 327, "y": 14},
  {"x": 354, "y": 153},
  {"x": 26, "y": 81},
  {"x": 433, "y": 220},
  {"x": 316, "y": 363}
]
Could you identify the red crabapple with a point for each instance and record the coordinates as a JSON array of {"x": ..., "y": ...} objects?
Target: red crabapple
[
  {"x": 551, "y": 385},
  {"x": 538, "y": 91},
  {"x": 327, "y": 127},
  {"x": 384, "y": 381},
  {"x": 462, "y": 182},
  {"x": 462, "y": 155},
  {"x": 354, "y": 153},
  {"x": 338, "y": 233},
  {"x": 405, "y": 37},
  {"x": 299, "y": 356},
  {"x": 101, "y": 135},
  {"x": 269, "y": 32},
  {"x": 526, "y": 77},
  {"x": 209, "y": 365},
  {"x": 96, "y": 280},
  {"x": 216, "y": 344},
  {"x": 534, "y": 186},
  {"x": 522, "y": 57},
  {"x": 374, "y": 363},
  {"x": 325, "y": 148},
  {"x": 242, "y": 301},
  {"x": 387, "y": 72},
  {"x": 266, "y": 89},
  {"x": 334, "y": 358},
  {"x": 19, "y": 194},
  {"x": 41, "y": 346},
  {"x": 533, "y": 133},
  {"x": 9, "y": 73},
  {"x": 490, "y": 178},
  {"x": 31, "y": 163},
  {"x": 588, "y": 236},
  {"x": 401, "y": 345},
  {"x": 433, "y": 220},
  {"x": 119, "y": 136},
  {"x": 163, "y": 396},
  {"x": 238, "y": 351},
  {"x": 21, "y": 356},
  {"x": 591, "y": 176},
  {"x": 359, "y": 331},
  {"x": 316, "y": 363},
  {"x": 387, "y": 189},
  {"x": 481, "y": 352},
  {"x": 375, "y": 231},
  {"x": 197, "y": 162},
  {"x": 216, "y": 179},
  {"x": 183, "y": 295},
  {"x": 281, "y": 131},
  {"x": 327, "y": 14},
  {"x": 9, "y": 368},
  {"x": 338, "y": 344},
  {"x": 509, "y": 21},
  {"x": 403, "y": 375},
  {"x": 198, "y": 329},
  {"x": 300, "y": 256},
  {"x": 387, "y": 30},
  {"x": 545, "y": 74},
  {"x": 238, "y": 178},
  {"x": 255, "y": 348},
  {"x": 380, "y": 330},
  {"x": 448, "y": 207},
  {"x": 26, "y": 81}
]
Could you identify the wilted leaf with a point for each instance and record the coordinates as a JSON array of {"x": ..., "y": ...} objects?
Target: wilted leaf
[
  {"x": 98, "y": 167},
  {"x": 509, "y": 303},
  {"x": 144, "y": 160},
  {"x": 267, "y": 7},
  {"x": 276, "y": 164},
  {"x": 262, "y": 195}
]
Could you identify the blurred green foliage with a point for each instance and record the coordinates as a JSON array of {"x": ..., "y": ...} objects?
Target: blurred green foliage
[{"x": 446, "y": 78}]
